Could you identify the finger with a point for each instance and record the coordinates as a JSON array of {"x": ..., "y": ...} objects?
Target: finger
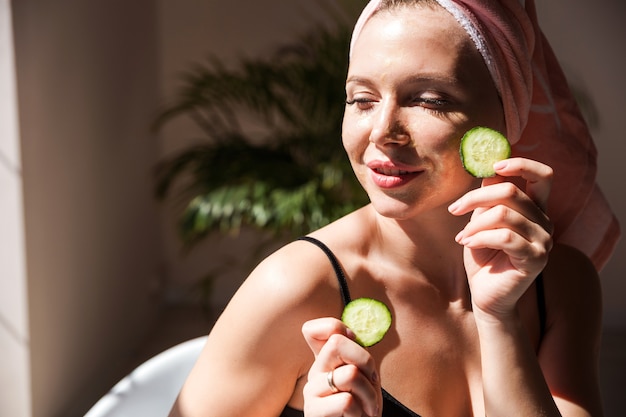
[
  {"x": 505, "y": 194},
  {"x": 504, "y": 217},
  {"x": 527, "y": 257},
  {"x": 316, "y": 332},
  {"x": 368, "y": 392},
  {"x": 338, "y": 351},
  {"x": 348, "y": 379},
  {"x": 537, "y": 175}
]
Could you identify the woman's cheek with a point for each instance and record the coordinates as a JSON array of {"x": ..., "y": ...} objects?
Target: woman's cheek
[{"x": 355, "y": 138}]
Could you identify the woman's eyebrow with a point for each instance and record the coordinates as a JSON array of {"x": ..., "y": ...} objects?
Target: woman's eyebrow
[
  {"x": 422, "y": 78},
  {"x": 434, "y": 78},
  {"x": 358, "y": 80},
  {"x": 431, "y": 81}
]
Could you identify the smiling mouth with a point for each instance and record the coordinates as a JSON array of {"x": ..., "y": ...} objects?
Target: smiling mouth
[
  {"x": 390, "y": 177},
  {"x": 391, "y": 172}
]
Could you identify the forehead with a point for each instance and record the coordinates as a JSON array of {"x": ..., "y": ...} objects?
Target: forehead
[{"x": 413, "y": 36}]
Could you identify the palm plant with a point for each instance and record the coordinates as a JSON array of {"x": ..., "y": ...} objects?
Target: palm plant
[{"x": 291, "y": 175}]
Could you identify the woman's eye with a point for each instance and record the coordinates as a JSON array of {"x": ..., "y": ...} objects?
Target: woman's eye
[
  {"x": 433, "y": 105},
  {"x": 430, "y": 102},
  {"x": 361, "y": 103}
]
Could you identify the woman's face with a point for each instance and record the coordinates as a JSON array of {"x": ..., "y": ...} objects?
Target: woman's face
[{"x": 415, "y": 84}]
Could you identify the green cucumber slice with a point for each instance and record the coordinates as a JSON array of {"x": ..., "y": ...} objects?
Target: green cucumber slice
[
  {"x": 369, "y": 319},
  {"x": 481, "y": 147}
]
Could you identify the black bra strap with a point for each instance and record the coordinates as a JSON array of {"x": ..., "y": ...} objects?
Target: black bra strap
[
  {"x": 341, "y": 277},
  {"x": 345, "y": 292}
]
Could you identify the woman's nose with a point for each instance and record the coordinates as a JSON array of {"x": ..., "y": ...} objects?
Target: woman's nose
[{"x": 388, "y": 127}]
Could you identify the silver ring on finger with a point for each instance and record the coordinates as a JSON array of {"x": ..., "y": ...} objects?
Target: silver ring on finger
[{"x": 331, "y": 382}]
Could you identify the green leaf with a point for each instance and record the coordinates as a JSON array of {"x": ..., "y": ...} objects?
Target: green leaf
[{"x": 289, "y": 174}]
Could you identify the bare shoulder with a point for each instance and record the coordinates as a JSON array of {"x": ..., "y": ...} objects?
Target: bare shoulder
[
  {"x": 570, "y": 348},
  {"x": 572, "y": 282},
  {"x": 257, "y": 341},
  {"x": 567, "y": 258},
  {"x": 295, "y": 273},
  {"x": 290, "y": 286}
]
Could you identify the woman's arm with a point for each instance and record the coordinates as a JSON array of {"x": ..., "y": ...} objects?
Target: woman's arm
[
  {"x": 513, "y": 382},
  {"x": 567, "y": 368},
  {"x": 506, "y": 245},
  {"x": 569, "y": 354},
  {"x": 255, "y": 354}
]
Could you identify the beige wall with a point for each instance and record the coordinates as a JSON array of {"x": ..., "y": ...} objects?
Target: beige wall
[
  {"x": 14, "y": 329},
  {"x": 87, "y": 89}
]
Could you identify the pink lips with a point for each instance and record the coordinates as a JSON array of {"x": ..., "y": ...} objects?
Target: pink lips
[{"x": 391, "y": 175}]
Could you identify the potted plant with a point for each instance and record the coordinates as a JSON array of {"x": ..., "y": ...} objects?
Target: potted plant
[{"x": 289, "y": 174}]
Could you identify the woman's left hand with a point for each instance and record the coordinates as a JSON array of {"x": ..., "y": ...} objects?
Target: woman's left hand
[
  {"x": 509, "y": 236},
  {"x": 343, "y": 380}
]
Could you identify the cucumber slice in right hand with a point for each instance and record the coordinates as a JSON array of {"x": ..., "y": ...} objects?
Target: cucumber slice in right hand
[
  {"x": 481, "y": 147},
  {"x": 369, "y": 319}
]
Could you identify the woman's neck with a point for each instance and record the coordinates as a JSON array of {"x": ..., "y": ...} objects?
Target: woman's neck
[{"x": 425, "y": 245}]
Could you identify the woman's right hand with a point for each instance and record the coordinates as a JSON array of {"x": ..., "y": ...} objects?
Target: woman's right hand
[{"x": 343, "y": 380}]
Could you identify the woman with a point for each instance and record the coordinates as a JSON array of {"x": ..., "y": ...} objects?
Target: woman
[{"x": 486, "y": 301}]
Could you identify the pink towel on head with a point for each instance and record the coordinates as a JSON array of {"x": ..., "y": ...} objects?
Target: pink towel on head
[{"x": 542, "y": 117}]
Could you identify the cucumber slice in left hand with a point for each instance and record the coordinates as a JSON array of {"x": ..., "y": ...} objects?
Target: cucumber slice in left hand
[
  {"x": 481, "y": 147},
  {"x": 369, "y": 319}
]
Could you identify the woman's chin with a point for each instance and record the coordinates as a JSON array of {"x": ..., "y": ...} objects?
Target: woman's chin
[{"x": 395, "y": 208}]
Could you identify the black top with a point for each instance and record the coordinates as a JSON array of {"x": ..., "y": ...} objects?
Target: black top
[{"x": 391, "y": 406}]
